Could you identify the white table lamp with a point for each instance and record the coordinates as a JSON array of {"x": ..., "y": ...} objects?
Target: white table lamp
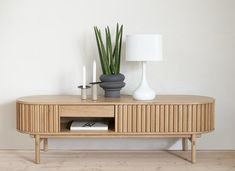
[{"x": 144, "y": 47}]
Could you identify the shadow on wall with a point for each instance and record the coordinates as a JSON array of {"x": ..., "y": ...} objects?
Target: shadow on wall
[
  {"x": 10, "y": 137},
  {"x": 8, "y": 112},
  {"x": 7, "y": 121},
  {"x": 113, "y": 144}
]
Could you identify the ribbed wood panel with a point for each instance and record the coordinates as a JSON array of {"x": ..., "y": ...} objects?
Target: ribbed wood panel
[
  {"x": 37, "y": 118},
  {"x": 164, "y": 118}
]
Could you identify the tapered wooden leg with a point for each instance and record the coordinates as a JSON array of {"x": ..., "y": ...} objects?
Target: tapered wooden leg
[
  {"x": 37, "y": 149},
  {"x": 185, "y": 144},
  {"x": 193, "y": 148},
  {"x": 45, "y": 144}
]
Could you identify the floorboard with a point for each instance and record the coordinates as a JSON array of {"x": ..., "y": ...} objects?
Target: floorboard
[{"x": 54, "y": 160}]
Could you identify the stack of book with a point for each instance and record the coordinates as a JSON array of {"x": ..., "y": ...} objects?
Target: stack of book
[{"x": 89, "y": 126}]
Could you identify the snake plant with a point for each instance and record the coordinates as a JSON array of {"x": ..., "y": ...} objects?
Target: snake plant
[{"x": 110, "y": 55}]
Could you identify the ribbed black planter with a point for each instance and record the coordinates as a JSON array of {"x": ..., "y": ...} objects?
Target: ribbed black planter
[{"x": 112, "y": 84}]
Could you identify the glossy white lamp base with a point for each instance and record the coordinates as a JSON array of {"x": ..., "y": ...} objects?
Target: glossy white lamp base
[{"x": 144, "y": 92}]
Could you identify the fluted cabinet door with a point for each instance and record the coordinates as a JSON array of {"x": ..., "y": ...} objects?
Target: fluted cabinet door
[
  {"x": 164, "y": 118},
  {"x": 37, "y": 118}
]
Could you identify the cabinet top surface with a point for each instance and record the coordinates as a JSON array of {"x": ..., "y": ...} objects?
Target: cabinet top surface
[{"x": 124, "y": 99}]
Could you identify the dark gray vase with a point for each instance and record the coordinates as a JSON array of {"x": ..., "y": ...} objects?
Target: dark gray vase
[{"x": 112, "y": 84}]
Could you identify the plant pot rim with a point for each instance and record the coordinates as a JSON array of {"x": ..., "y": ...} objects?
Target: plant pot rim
[
  {"x": 112, "y": 78},
  {"x": 112, "y": 74}
]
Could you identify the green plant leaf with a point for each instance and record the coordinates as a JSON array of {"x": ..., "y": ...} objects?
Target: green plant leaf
[
  {"x": 99, "y": 50},
  {"x": 120, "y": 48},
  {"x": 109, "y": 57},
  {"x": 115, "y": 52},
  {"x": 104, "y": 54},
  {"x": 112, "y": 64},
  {"x": 107, "y": 46}
]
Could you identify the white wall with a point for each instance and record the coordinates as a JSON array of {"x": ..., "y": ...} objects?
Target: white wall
[{"x": 44, "y": 43}]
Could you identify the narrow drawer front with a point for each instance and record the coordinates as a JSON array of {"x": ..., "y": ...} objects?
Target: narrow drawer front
[{"x": 86, "y": 111}]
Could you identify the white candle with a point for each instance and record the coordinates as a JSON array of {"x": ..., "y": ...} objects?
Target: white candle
[
  {"x": 84, "y": 77},
  {"x": 94, "y": 71}
]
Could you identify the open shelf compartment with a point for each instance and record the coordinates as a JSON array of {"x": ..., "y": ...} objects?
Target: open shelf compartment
[{"x": 65, "y": 123}]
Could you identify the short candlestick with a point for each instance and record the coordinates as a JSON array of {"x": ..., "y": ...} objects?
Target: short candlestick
[{"x": 84, "y": 91}]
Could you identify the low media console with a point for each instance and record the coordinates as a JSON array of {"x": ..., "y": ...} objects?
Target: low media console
[{"x": 178, "y": 116}]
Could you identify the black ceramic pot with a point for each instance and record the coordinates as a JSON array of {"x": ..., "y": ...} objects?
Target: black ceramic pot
[{"x": 112, "y": 84}]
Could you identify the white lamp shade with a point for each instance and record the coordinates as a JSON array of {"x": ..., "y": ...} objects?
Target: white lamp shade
[{"x": 144, "y": 47}]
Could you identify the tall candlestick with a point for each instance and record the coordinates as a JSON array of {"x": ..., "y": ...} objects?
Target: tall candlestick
[
  {"x": 94, "y": 71},
  {"x": 84, "y": 77}
]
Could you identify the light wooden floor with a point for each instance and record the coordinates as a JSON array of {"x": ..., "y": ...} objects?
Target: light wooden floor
[{"x": 117, "y": 160}]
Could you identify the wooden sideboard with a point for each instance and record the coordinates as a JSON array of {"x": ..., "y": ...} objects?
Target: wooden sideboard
[{"x": 179, "y": 116}]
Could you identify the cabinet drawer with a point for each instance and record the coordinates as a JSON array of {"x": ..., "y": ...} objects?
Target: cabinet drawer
[{"x": 86, "y": 111}]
